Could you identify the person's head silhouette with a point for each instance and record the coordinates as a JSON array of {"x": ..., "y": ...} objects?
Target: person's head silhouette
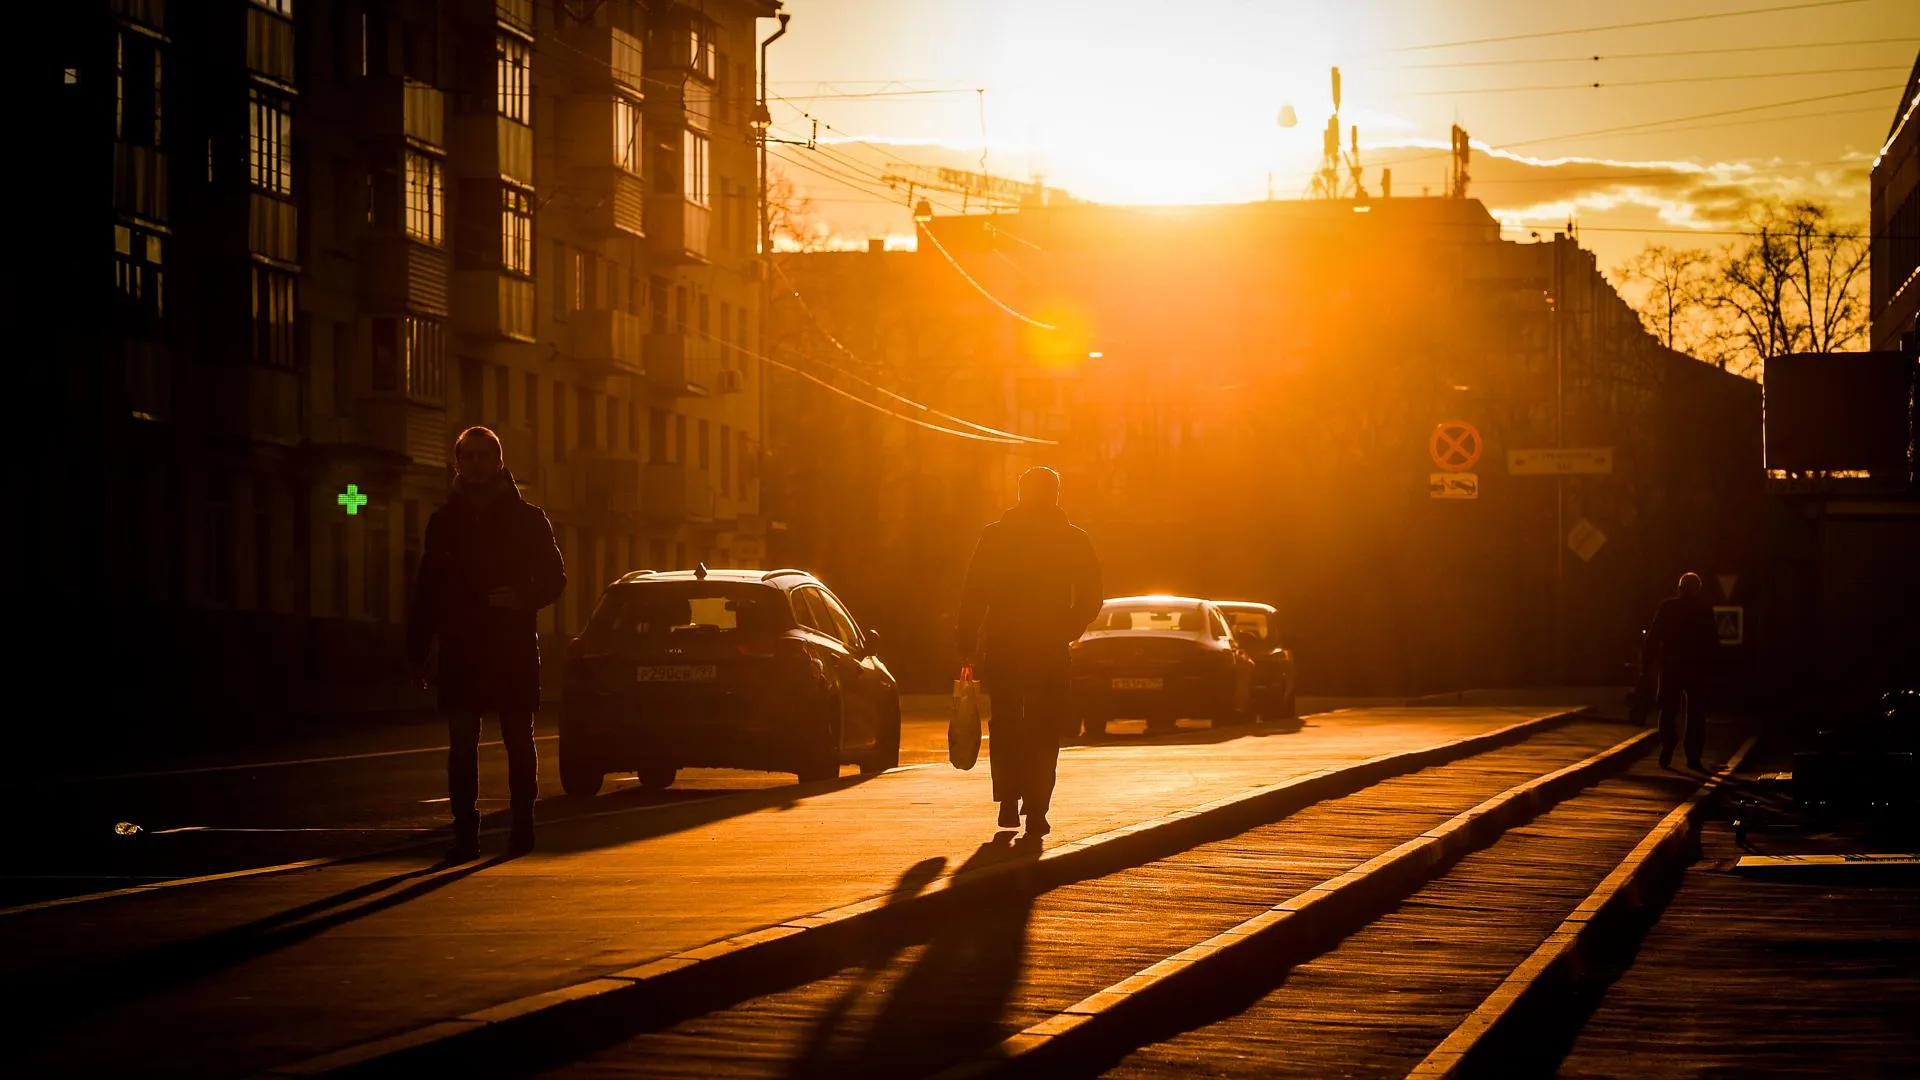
[
  {"x": 1690, "y": 584},
  {"x": 1039, "y": 486}
]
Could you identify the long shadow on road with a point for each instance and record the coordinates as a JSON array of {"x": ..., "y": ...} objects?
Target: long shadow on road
[{"x": 57, "y": 998}]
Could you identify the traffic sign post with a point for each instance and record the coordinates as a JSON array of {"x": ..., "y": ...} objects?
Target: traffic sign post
[
  {"x": 1455, "y": 445},
  {"x": 1568, "y": 462}
]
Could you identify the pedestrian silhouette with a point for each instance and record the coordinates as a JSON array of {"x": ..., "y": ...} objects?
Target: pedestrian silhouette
[
  {"x": 489, "y": 565},
  {"x": 1032, "y": 587},
  {"x": 1684, "y": 642}
]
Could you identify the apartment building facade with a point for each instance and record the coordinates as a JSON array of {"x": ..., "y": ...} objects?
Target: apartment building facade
[
  {"x": 1894, "y": 195},
  {"x": 341, "y": 231}
]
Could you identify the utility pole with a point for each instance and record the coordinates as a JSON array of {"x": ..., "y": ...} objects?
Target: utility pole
[
  {"x": 1559, "y": 482},
  {"x": 763, "y": 123}
]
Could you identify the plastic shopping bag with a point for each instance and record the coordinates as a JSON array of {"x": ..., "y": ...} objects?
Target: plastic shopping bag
[{"x": 963, "y": 731}]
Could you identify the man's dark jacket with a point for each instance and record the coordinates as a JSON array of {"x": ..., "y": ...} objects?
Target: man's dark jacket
[
  {"x": 480, "y": 541},
  {"x": 1683, "y": 641},
  {"x": 1032, "y": 588}
]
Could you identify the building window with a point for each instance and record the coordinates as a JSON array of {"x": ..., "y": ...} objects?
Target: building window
[
  {"x": 386, "y": 355},
  {"x": 263, "y": 569},
  {"x": 426, "y": 208},
  {"x": 379, "y": 573},
  {"x": 656, "y": 439},
  {"x": 695, "y": 169},
  {"x": 700, "y": 50},
  {"x": 426, "y": 359},
  {"x": 137, "y": 273},
  {"x": 513, "y": 62},
  {"x": 726, "y": 460},
  {"x": 273, "y": 338},
  {"x": 579, "y": 280},
  {"x": 530, "y": 403},
  {"x": 136, "y": 89},
  {"x": 657, "y": 302},
  {"x": 633, "y": 427},
  {"x": 679, "y": 438},
  {"x": 705, "y": 456},
  {"x": 627, "y": 146},
  {"x": 614, "y": 412},
  {"x": 473, "y": 392},
  {"x": 743, "y": 462},
  {"x": 341, "y": 568},
  {"x": 559, "y": 421},
  {"x": 270, "y": 143},
  {"x": 502, "y": 391},
  {"x": 589, "y": 431},
  {"x": 278, "y": 7},
  {"x": 516, "y": 230}
]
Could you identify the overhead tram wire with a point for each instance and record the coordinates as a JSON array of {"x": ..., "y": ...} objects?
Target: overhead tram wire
[
  {"x": 982, "y": 289},
  {"x": 1602, "y": 85},
  {"x": 1668, "y": 54},
  {"x": 813, "y": 317},
  {"x": 1670, "y": 21}
]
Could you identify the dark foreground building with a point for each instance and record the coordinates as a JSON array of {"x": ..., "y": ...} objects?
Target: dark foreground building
[{"x": 303, "y": 243}]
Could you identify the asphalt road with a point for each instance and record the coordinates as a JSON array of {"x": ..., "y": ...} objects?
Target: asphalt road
[{"x": 344, "y": 794}]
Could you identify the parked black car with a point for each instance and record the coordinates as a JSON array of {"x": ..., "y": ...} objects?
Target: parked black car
[
  {"x": 1161, "y": 658},
  {"x": 1257, "y": 627},
  {"x": 744, "y": 669}
]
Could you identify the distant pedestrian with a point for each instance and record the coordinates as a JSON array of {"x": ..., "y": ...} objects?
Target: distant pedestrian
[
  {"x": 1032, "y": 587},
  {"x": 488, "y": 566},
  {"x": 1685, "y": 643}
]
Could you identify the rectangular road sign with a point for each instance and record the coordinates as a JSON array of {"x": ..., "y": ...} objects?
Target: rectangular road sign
[
  {"x": 1453, "y": 485},
  {"x": 1731, "y": 621},
  {"x": 1567, "y": 462}
]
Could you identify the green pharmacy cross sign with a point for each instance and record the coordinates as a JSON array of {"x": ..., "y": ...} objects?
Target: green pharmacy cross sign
[{"x": 352, "y": 499}]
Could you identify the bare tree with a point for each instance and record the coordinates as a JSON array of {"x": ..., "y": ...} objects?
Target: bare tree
[
  {"x": 1790, "y": 284},
  {"x": 789, "y": 214}
]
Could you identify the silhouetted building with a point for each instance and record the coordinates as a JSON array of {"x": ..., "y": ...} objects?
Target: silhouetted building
[
  {"x": 340, "y": 231},
  {"x": 1246, "y": 399},
  {"x": 1894, "y": 264}
]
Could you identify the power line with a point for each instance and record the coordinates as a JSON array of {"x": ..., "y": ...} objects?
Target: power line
[
  {"x": 1655, "y": 55},
  {"x": 1811, "y": 4},
  {"x": 927, "y": 231},
  {"x": 1654, "y": 82},
  {"x": 814, "y": 318}
]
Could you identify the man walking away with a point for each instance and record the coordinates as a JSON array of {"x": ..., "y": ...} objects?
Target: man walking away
[
  {"x": 1684, "y": 642},
  {"x": 489, "y": 566},
  {"x": 1034, "y": 585}
]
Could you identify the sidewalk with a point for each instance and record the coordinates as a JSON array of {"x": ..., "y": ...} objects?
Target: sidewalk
[{"x": 232, "y": 978}]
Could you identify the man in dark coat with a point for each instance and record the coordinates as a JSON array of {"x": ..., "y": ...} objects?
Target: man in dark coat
[
  {"x": 1035, "y": 585},
  {"x": 488, "y": 566},
  {"x": 1685, "y": 643}
]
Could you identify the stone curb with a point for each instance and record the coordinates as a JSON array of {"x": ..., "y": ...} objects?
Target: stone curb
[
  {"x": 1297, "y": 927},
  {"x": 1646, "y": 876},
  {"x": 714, "y": 970}
]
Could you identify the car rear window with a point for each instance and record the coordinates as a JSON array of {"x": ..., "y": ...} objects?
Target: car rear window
[
  {"x": 662, "y": 608},
  {"x": 1255, "y": 621},
  {"x": 1162, "y": 618}
]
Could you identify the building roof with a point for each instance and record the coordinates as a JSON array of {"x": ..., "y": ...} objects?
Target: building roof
[{"x": 1905, "y": 107}]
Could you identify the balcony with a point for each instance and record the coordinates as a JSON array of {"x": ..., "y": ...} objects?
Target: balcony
[
  {"x": 514, "y": 14},
  {"x": 607, "y": 342},
  {"x": 681, "y": 230},
  {"x": 256, "y": 404},
  {"x": 681, "y": 365},
  {"x": 488, "y": 146},
  {"x": 492, "y": 306},
  {"x": 612, "y": 58},
  {"x": 399, "y": 274},
  {"x": 609, "y": 201},
  {"x": 608, "y": 484},
  {"x": 269, "y": 45},
  {"x": 393, "y": 108},
  {"x": 405, "y": 428},
  {"x": 675, "y": 493},
  {"x": 273, "y": 228},
  {"x": 140, "y": 181}
]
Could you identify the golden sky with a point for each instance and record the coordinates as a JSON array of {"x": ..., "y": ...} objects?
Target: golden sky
[{"x": 1135, "y": 102}]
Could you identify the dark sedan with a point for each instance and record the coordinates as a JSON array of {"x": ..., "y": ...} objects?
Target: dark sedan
[
  {"x": 1257, "y": 626},
  {"x": 1161, "y": 658},
  {"x": 744, "y": 669}
]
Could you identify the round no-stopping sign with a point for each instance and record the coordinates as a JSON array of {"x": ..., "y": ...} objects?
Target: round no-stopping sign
[{"x": 1455, "y": 445}]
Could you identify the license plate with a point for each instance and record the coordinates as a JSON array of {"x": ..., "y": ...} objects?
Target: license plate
[
  {"x": 1138, "y": 684},
  {"x": 678, "y": 673}
]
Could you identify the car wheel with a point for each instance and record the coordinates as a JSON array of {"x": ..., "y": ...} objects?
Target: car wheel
[
  {"x": 886, "y": 749},
  {"x": 656, "y": 776},
  {"x": 580, "y": 775}
]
